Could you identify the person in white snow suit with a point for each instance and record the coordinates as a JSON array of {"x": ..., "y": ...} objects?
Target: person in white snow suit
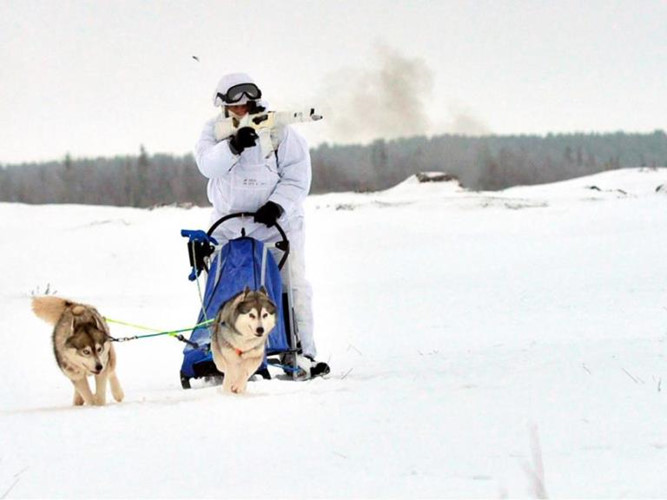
[{"x": 243, "y": 178}]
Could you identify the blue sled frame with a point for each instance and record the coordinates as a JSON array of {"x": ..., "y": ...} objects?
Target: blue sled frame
[{"x": 241, "y": 262}]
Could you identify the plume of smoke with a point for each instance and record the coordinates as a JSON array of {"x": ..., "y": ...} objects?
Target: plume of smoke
[
  {"x": 391, "y": 97},
  {"x": 465, "y": 123},
  {"x": 388, "y": 99}
]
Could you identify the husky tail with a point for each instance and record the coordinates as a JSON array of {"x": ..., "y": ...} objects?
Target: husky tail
[{"x": 50, "y": 308}]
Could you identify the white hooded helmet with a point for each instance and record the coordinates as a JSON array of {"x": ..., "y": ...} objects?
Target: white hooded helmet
[{"x": 244, "y": 87}]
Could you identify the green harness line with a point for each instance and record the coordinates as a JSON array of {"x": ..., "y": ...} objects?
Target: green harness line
[{"x": 172, "y": 333}]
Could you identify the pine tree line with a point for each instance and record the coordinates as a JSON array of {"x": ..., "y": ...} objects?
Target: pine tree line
[
  {"x": 481, "y": 163},
  {"x": 484, "y": 163},
  {"x": 137, "y": 181}
]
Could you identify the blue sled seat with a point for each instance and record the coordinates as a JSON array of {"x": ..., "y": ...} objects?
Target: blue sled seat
[{"x": 241, "y": 262}]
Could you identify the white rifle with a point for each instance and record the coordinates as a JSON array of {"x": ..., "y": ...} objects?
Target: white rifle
[{"x": 264, "y": 123}]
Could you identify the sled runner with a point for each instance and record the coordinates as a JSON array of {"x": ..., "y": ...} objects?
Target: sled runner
[{"x": 240, "y": 263}]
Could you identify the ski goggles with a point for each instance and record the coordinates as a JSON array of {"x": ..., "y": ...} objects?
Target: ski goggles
[{"x": 236, "y": 93}]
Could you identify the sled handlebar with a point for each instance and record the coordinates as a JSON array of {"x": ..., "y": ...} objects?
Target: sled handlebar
[{"x": 282, "y": 245}]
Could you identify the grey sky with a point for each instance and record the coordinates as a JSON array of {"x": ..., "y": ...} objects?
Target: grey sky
[{"x": 99, "y": 78}]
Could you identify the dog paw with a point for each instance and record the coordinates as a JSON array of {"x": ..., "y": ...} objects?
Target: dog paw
[
  {"x": 118, "y": 395},
  {"x": 237, "y": 388}
]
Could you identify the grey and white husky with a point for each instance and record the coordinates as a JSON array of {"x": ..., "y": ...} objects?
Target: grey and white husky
[
  {"x": 239, "y": 336},
  {"x": 82, "y": 346}
]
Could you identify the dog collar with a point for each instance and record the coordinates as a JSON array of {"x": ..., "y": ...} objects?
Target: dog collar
[{"x": 238, "y": 351}]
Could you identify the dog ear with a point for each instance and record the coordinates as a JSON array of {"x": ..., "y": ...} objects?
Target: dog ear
[
  {"x": 246, "y": 291},
  {"x": 262, "y": 290},
  {"x": 101, "y": 324}
]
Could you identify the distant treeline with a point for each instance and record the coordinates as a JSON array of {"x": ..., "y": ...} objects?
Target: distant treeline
[{"x": 481, "y": 163}]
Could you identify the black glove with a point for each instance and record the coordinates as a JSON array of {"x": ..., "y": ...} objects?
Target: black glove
[
  {"x": 268, "y": 213},
  {"x": 245, "y": 137}
]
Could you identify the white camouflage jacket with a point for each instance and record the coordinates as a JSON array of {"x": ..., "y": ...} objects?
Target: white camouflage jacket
[{"x": 243, "y": 183}]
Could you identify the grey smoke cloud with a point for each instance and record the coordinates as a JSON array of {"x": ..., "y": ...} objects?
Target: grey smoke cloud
[
  {"x": 391, "y": 97},
  {"x": 387, "y": 99},
  {"x": 465, "y": 123}
]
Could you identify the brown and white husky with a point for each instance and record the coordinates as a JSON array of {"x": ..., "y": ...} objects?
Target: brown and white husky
[
  {"x": 82, "y": 347},
  {"x": 239, "y": 336}
]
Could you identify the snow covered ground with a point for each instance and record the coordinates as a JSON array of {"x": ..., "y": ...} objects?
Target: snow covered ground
[{"x": 472, "y": 336}]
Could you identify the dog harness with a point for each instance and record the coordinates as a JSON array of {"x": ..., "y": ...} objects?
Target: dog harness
[{"x": 238, "y": 351}]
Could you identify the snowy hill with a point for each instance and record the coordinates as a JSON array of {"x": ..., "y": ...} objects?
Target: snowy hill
[{"x": 472, "y": 336}]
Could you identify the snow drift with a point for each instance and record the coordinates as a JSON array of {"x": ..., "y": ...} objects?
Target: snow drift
[{"x": 482, "y": 345}]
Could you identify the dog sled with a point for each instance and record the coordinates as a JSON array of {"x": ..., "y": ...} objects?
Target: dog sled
[{"x": 240, "y": 263}]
